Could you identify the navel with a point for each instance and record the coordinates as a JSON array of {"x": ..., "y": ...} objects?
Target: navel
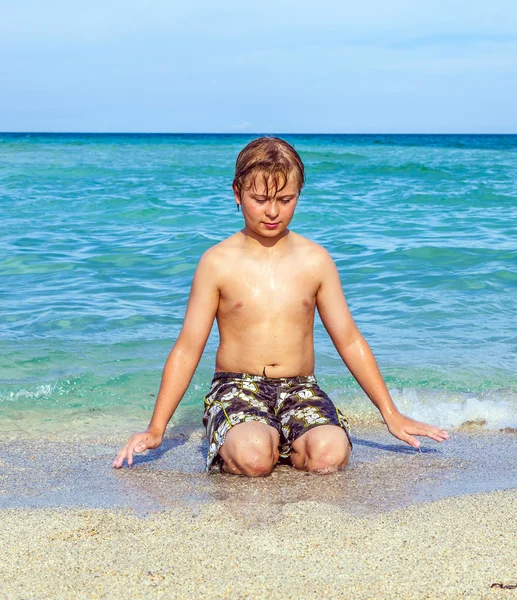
[{"x": 264, "y": 370}]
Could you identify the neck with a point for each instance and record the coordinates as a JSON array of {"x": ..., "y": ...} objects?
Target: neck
[{"x": 257, "y": 240}]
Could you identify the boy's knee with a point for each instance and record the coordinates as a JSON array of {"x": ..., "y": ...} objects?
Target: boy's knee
[
  {"x": 327, "y": 453},
  {"x": 257, "y": 464},
  {"x": 254, "y": 456},
  {"x": 327, "y": 458},
  {"x": 256, "y": 459}
]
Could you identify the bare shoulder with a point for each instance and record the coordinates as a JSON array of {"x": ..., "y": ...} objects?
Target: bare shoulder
[
  {"x": 314, "y": 255},
  {"x": 218, "y": 257}
]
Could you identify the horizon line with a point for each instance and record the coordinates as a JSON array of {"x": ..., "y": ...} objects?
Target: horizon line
[{"x": 241, "y": 133}]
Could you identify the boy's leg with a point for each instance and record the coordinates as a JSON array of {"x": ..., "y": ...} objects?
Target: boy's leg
[
  {"x": 242, "y": 428},
  {"x": 322, "y": 449},
  {"x": 251, "y": 449},
  {"x": 314, "y": 432}
]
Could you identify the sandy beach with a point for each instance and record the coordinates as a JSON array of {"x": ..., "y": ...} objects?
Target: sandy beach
[
  {"x": 454, "y": 548},
  {"x": 396, "y": 524}
]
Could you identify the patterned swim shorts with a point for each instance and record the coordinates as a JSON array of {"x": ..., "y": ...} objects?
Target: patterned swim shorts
[{"x": 292, "y": 405}]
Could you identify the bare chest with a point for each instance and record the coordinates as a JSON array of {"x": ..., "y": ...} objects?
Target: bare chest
[{"x": 266, "y": 291}]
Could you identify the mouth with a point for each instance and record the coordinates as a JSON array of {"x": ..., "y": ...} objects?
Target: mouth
[{"x": 271, "y": 225}]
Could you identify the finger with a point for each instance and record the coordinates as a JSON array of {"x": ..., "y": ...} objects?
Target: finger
[
  {"x": 135, "y": 446},
  {"x": 409, "y": 439},
  {"x": 435, "y": 433},
  {"x": 438, "y": 436},
  {"x": 119, "y": 459},
  {"x": 130, "y": 454}
]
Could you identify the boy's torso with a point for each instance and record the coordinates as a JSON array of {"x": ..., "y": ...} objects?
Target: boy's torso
[{"x": 266, "y": 307}]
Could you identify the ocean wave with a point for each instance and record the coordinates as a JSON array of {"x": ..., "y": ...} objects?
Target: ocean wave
[
  {"x": 82, "y": 400},
  {"x": 39, "y": 392},
  {"x": 321, "y": 159},
  {"x": 494, "y": 410},
  {"x": 408, "y": 169},
  {"x": 491, "y": 410}
]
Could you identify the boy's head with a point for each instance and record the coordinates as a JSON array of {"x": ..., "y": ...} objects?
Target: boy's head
[{"x": 271, "y": 160}]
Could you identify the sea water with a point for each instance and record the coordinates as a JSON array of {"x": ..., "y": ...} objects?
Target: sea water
[{"x": 101, "y": 235}]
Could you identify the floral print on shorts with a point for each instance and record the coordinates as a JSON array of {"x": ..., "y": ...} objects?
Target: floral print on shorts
[{"x": 292, "y": 405}]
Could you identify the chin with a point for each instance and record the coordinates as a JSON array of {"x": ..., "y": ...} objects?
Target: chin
[{"x": 272, "y": 232}]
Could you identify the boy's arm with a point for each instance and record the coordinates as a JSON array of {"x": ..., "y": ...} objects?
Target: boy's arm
[
  {"x": 359, "y": 359},
  {"x": 182, "y": 361}
]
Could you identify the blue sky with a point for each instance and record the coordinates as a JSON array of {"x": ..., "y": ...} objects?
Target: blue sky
[{"x": 324, "y": 66}]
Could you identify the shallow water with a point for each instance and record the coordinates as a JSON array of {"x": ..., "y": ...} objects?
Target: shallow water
[{"x": 384, "y": 474}]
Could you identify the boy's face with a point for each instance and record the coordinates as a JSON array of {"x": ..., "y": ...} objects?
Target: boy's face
[{"x": 268, "y": 216}]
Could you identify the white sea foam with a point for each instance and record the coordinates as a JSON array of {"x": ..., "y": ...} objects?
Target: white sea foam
[
  {"x": 493, "y": 410},
  {"x": 40, "y": 391}
]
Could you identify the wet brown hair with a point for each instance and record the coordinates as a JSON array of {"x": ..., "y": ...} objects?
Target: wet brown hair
[{"x": 273, "y": 160}]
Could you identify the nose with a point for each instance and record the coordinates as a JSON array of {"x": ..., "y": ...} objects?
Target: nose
[{"x": 272, "y": 210}]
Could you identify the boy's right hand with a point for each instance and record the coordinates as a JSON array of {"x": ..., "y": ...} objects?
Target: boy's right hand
[{"x": 137, "y": 443}]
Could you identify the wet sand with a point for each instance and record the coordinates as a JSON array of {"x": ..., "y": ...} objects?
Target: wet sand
[{"x": 397, "y": 523}]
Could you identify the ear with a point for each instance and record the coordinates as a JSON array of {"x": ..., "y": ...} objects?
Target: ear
[{"x": 237, "y": 194}]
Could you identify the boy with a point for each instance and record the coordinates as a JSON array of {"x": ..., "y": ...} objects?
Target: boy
[{"x": 263, "y": 285}]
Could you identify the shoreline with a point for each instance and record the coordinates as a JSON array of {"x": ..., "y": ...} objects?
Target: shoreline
[{"x": 384, "y": 474}]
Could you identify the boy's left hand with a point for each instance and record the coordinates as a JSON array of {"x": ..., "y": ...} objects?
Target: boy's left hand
[{"x": 404, "y": 429}]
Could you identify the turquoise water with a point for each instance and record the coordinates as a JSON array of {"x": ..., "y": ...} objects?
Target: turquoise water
[{"x": 101, "y": 235}]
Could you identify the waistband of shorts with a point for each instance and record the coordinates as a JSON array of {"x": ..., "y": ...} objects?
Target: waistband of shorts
[{"x": 220, "y": 375}]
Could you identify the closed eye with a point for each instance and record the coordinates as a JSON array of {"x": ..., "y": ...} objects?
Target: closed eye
[{"x": 283, "y": 200}]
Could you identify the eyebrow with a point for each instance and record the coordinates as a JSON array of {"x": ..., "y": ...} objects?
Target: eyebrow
[{"x": 262, "y": 197}]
